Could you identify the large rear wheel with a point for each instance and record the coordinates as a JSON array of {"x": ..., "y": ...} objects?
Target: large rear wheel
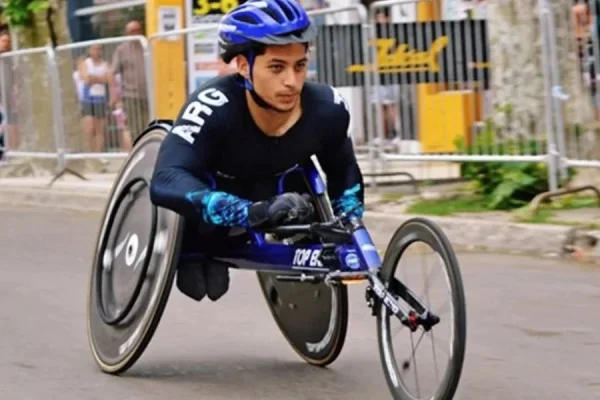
[
  {"x": 313, "y": 317},
  {"x": 134, "y": 263}
]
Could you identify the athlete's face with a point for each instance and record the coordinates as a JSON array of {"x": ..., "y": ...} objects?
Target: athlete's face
[{"x": 278, "y": 75}]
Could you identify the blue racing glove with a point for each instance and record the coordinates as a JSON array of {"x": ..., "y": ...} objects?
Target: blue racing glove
[{"x": 349, "y": 202}]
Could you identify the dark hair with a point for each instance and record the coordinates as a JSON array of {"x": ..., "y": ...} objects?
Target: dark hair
[
  {"x": 386, "y": 12},
  {"x": 258, "y": 49}
]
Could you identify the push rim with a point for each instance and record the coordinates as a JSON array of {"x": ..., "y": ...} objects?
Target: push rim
[{"x": 101, "y": 267}]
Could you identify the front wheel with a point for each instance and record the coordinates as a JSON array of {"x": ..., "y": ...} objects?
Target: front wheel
[{"x": 447, "y": 351}]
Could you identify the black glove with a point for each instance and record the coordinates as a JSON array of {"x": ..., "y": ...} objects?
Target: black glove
[{"x": 282, "y": 209}]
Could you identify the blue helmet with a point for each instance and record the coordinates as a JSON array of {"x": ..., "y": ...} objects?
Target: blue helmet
[{"x": 270, "y": 22}]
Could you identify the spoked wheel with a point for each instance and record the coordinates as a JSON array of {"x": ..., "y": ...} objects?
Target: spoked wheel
[
  {"x": 443, "y": 345},
  {"x": 313, "y": 317},
  {"x": 133, "y": 268}
]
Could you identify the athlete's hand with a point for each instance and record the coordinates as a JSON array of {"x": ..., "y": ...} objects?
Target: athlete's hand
[
  {"x": 282, "y": 209},
  {"x": 290, "y": 207}
]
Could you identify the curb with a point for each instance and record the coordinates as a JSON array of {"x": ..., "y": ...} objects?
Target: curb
[
  {"x": 482, "y": 235},
  {"x": 464, "y": 234},
  {"x": 62, "y": 199}
]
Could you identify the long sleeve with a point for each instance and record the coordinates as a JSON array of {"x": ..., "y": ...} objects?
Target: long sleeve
[
  {"x": 179, "y": 181},
  {"x": 344, "y": 179}
]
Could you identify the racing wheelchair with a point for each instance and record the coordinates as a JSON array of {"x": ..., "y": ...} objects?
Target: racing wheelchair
[{"x": 303, "y": 271}]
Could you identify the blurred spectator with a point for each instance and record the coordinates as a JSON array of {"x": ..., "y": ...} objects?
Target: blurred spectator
[
  {"x": 585, "y": 24},
  {"x": 128, "y": 60},
  {"x": 94, "y": 71},
  {"x": 582, "y": 20},
  {"x": 120, "y": 118},
  {"x": 1, "y": 133},
  {"x": 387, "y": 94},
  {"x": 8, "y": 94},
  {"x": 77, "y": 78}
]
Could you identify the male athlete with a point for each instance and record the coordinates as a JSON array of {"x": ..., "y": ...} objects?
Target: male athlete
[{"x": 246, "y": 129}]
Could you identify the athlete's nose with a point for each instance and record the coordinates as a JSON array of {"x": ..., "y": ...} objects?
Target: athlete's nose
[{"x": 290, "y": 79}]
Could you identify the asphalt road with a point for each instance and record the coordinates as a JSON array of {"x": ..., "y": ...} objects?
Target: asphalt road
[{"x": 533, "y": 331}]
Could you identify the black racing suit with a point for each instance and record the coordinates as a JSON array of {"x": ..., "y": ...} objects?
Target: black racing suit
[{"x": 216, "y": 162}]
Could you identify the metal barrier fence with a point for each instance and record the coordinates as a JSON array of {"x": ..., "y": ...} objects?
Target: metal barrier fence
[
  {"x": 114, "y": 107},
  {"x": 201, "y": 45},
  {"x": 334, "y": 46},
  {"x": 576, "y": 98},
  {"x": 29, "y": 118},
  {"x": 174, "y": 53},
  {"x": 443, "y": 70},
  {"x": 419, "y": 91}
]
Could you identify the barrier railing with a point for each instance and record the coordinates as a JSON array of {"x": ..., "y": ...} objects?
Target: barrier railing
[
  {"x": 97, "y": 105},
  {"x": 30, "y": 120},
  {"x": 201, "y": 45},
  {"x": 344, "y": 35},
  {"x": 182, "y": 58},
  {"x": 418, "y": 91},
  {"x": 574, "y": 74},
  {"x": 443, "y": 68}
]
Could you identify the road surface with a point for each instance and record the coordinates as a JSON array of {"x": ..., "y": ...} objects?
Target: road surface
[{"x": 533, "y": 331}]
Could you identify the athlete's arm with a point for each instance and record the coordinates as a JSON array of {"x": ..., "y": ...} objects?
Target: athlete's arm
[
  {"x": 179, "y": 182},
  {"x": 344, "y": 179}
]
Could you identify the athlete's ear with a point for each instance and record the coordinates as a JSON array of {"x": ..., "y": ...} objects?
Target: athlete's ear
[{"x": 243, "y": 66}]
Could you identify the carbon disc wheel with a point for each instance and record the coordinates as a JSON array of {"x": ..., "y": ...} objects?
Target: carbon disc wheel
[
  {"x": 134, "y": 263},
  {"x": 313, "y": 317}
]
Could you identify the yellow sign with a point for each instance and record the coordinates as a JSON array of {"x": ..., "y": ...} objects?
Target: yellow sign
[
  {"x": 393, "y": 59},
  {"x": 206, "y": 7}
]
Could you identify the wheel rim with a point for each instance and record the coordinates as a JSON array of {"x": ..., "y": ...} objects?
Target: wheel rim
[
  {"x": 307, "y": 314},
  {"x": 103, "y": 268},
  {"x": 399, "y": 376},
  {"x": 318, "y": 334},
  {"x": 116, "y": 347}
]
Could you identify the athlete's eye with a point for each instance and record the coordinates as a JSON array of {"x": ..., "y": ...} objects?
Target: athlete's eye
[
  {"x": 276, "y": 68},
  {"x": 300, "y": 66}
]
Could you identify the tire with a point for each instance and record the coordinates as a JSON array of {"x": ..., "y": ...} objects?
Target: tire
[
  {"x": 117, "y": 344},
  {"x": 423, "y": 230},
  {"x": 315, "y": 329}
]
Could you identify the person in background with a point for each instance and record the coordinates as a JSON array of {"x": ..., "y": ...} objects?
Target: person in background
[
  {"x": 8, "y": 94},
  {"x": 120, "y": 118},
  {"x": 585, "y": 24},
  {"x": 386, "y": 95},
  {"x": 79, "y": 85},
  {"x": 2, "y": 128},
  {"x": 128, "y": 60},
  {"x": 97, "y": 79},
  {"x": 77, "y": 81}
]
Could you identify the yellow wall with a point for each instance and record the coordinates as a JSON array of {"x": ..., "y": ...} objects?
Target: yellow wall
[
  {"x": 443, "y": 115},
  {"x": 168, "y": 61}
]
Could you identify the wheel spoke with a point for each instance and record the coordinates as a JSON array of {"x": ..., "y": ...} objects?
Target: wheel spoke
[
  {"x": 442, "y": 308},
  {"x": 415, "y": 362},
  {"x": 437, "y": 377},
  {"x": 444, "y": 347},
  {"x": 426, "y": 286}
]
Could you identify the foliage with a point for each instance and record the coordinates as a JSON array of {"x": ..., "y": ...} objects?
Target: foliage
[
  {"x": 505, "y": 185},
  {"x": 21, "y": 12},
  {"x": 449, "y": 206},
  {"x": 111, "y": 24}
]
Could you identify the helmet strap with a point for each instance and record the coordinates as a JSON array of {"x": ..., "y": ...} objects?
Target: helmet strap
[{"x": 250, "y": 87}]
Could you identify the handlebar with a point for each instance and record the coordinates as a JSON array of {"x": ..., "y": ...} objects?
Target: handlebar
[{"x": 337, "y": 227}]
